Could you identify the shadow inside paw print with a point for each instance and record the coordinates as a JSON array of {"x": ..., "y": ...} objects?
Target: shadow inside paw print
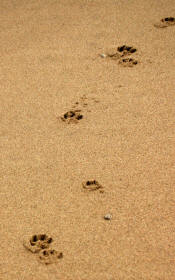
[
  {"x": 72, "y": 116},
  {"x": 128, "y": 62},
  {"x": 92, "y": 185},
  {"x": 165, "y": 22},
  {"x": 37, "y": 242},
  {"x": 49, "y": 256}
]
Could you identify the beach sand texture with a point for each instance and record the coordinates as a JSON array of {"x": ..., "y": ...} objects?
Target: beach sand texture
[{"x": 87, "y": 140}]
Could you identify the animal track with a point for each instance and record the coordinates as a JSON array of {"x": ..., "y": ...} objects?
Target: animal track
[
  {"x": 49, "y": 256},
  {"x": 75, "y": 115},
  {"x": 37, "y": 242},
  {"x": 123, "y": 51},
  {"x": 165, "y": 22},
  {"x": 128, "y": 62},
  {"x": 92, "y": 185},
  {"x": 72, "y": 116}
]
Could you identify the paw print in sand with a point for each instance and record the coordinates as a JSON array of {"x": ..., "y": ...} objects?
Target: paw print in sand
[
  {"x": 49, "y": 256},
  {"x": 128, "y": 62},
  {"x": 120, "y": 52},
  {"x": 121, "y": 55},
  {"x": 37, "y": 242},
  {"x": 165, "y": 22},
  {"x": 126, "y": 50},
  {"x": 92, "y": 185},
  {"x": 72, "y": 116}
]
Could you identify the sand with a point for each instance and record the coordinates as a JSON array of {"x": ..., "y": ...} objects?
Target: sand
[{"x": 77, "y": 114}]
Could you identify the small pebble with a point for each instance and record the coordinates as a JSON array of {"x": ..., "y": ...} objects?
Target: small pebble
[
  {"x": 103, "y": 55},
  {"x": 108, "y": 217}
]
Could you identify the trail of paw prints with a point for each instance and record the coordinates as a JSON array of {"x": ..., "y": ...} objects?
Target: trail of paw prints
[
  {"x": 121, "y": 55},
  {"x": 165, "y": 22},
  {"x": 74, "y": 115},
  {"x": 39, "y": 244}
]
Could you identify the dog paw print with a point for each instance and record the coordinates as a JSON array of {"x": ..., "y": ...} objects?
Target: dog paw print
[
  {"x": 49, "y": 256},
  {"x": 126, "y": 50},
  {"x": 128, "y": 62},
  {"x": 72, "y": 116},
  {"x": 165, "y": 22},
  {"x": 37, "y": 242},
  {"x": 121, "y": 55},
  {"x": 92, "y": 185},
  {"x": 119, "y": 52},
  {"x": 75, "y": 114}
]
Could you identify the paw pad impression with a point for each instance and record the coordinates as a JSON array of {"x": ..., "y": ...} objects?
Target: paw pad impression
[
  {"x": 39, "y": 244},
  {"x": 165, "y": 22},
  {"x": 72, "y": 116},
  {"x": 92, "y": 185},
  {"x": 48, "y": 256},
  {"x": 121, "y": 55}
]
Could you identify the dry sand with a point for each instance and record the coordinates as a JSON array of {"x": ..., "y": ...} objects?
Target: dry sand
[{"x": 50, "y": 64}]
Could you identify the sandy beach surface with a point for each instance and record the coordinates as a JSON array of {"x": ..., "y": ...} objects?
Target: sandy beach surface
[{"x": 87, "y": 140}]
